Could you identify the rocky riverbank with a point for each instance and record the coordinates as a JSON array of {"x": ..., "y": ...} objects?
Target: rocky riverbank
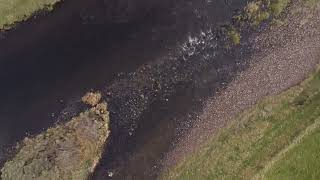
[{"x": 285, "y": 53}]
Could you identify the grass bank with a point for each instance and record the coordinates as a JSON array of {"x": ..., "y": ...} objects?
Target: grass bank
[
  {"x": 13, "y": 11},
  {"x": 67, "y": 151},
  {"x": 246, "y": 148},
  {"x": 300, "y": 160}
]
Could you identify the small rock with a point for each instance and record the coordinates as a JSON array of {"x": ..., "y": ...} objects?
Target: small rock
[
  {"x": 110, "y": 174},
  {"x": 91, "y": 98}
]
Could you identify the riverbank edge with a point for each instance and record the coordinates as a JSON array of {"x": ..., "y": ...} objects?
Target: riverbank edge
[
  {"x": 195, "y": 139},
  {"x": 17, "y": 19},
  {"x": 69, "y": 150},
  {"x": 238, "y": 145}
]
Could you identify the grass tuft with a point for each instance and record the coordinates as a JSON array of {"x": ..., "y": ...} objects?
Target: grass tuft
[
  {"x": 278, "y": 6},
  {"x": 234, "y": 36}
]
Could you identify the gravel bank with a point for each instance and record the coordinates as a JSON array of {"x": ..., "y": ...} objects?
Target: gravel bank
[{"x": 283, "y": 56}]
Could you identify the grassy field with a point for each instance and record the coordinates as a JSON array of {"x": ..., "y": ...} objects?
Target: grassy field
[
  {"x": 12, "y": 11},
  {"x": 276, "y": 139},
  {"x": 301, "y": 161}
]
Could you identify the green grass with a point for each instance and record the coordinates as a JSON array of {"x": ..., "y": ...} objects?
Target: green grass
[
  {"x": 301, "y": 162},
  {"x": 260, "y": 10},
  {"x": 234, "y": 36},
  {"x": 254, "y": 14},
  {"x": 254, "y": 139},
  {"x": 278, "y": 6},
  {"x": 13, "y": 11}
]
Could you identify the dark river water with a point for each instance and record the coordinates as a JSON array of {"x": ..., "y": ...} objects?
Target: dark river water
[{"x": 154, "y": 69}]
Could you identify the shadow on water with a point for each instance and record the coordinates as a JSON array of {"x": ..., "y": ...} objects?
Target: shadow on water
[{"x": 48, "y": 63}]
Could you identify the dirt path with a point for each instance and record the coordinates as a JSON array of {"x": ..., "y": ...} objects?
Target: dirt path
[{"x": 283, "y": 57}]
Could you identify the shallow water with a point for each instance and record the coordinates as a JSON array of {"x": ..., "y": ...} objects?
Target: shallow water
[{"x": 152, "y": 70}]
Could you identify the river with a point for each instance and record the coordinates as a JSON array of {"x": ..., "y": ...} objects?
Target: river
[{"x": 154, "y": 71}]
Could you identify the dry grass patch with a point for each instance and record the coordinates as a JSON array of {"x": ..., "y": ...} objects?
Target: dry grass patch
[{"x": 13, "y": 11}]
